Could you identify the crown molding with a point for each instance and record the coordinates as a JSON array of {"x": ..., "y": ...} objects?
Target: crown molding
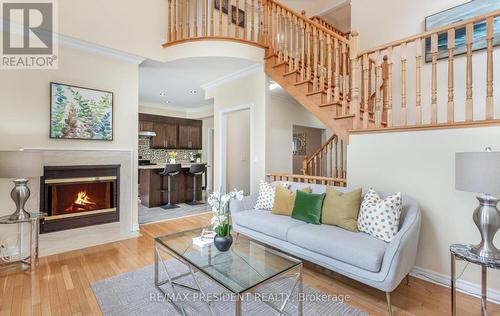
[
  {"x": 233, "y": 76},
  {"x": 186, "y": 110},
  {"x": 71, "y": 42}
]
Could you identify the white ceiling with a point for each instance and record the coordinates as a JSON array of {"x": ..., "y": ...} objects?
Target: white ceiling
[{"x": 179, "y": 77}]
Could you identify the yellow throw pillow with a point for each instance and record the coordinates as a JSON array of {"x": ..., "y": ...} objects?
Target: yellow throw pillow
[
  {"x": 341, "y": 209},
  {"x": 284, "y": 200}
]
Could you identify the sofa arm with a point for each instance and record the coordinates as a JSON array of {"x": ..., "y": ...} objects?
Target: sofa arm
[
  {"x": 247, "y": 203},
  {"x": 401, "y": 252}
]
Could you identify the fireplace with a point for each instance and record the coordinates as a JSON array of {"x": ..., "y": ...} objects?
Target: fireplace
[{"x": 78, "y": 196}]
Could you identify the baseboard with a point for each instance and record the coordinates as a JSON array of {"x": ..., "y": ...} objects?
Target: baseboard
[
  {"x": 135, "y": 227},
  {"x": 462, "y": 286}
]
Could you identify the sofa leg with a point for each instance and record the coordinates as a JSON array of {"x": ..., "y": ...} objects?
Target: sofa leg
[{"x": 389, "y": 306}]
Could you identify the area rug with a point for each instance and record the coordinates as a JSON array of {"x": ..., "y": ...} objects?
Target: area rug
[
  {"x": 156, "y": 214},
  {"x": 134, "y": 293}
]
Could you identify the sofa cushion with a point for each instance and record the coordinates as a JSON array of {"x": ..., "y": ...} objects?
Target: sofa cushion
[
  {"x": 264, "y": 222},
  {"x": 341, "y": 209},
  {"x": 284, "y": 200},
  {"x": 354, "y": 248},
  {"x": 307, "y": 207}
]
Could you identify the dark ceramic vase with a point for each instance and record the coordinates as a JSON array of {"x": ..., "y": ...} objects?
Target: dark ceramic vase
[{"x": 223, "y": 243}]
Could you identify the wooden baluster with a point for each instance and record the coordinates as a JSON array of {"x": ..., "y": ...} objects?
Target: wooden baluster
[
  {"x": 237, "y": 25},
  {"x": 266, "y": 22},
  {"x": 354, "y": 73},
  {"x": 195, "y": 18},
  {"x": 169, "y": 23},
  {"x": 291, "y": 60},
  {"x": 341, "y": 159},
  {"x": 203, "y": 18},
  {"x": 220, "y": 16},
  {"x": 320, "y": 173},
  {"x": 212, "y": 21},
  {"x": 259, "y": 36},
  {"x": 378, "y": 94},
  {"x": 245, "y": 19},
  {"x": 229, "y": 17},
  {"x": 329, "y": 66},
  {"x": 315, "y": 58},
  {"x": 404, "y": 106},
  {"x": 336, "y": 87},
  {"x": 469, "y": 112},
  {"x": 345, "y": 78},
  {"x": 434, "y": 50},
  {"x": 188, "y": 34},
  {"x": 309, "y": 47},
  {"x": 296, "y": 52},
  {"x": 366, "y": 89},
  {"x": 336, "y": 164},
  {"x": 181, "y": 16},
  {"x": 388, "y": 90},
  {"x": 302, "y": 51},
  {"x": 451, "y": 51},
  {"x": 175, "y": 35},
  {"x": 489, "y": 67},
  {"x": 322, "y": 61},
  {"x": 279, "y": 37},
  {"x": 252, "y": 13},
  {"x": 315, "y": 165},
  {"x": 331, "y": 159},
  {"x": 285, "y": 36},
  {"x": 418, "y": 89}
]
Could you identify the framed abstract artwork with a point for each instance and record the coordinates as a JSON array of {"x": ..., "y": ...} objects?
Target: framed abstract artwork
[
  {"x": 241, "y": 14},
  {"x": 457, "y": 14},
  {"x": 80, "y": 113}
]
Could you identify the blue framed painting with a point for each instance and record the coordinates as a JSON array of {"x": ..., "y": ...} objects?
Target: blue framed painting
[{"x": 457, "y": 14}]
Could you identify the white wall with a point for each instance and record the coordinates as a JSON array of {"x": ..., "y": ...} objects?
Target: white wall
[
  {"x": 282, "y": 113},
  {"x": 237, "y": 131},
  {"x": 248, "y": 90},
  {"x": 422, "y": 165},
  {"x": 25, "y": 98}
]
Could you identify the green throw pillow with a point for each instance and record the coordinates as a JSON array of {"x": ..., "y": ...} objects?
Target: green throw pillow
[
  {"x": 307, "y": 207},
  {"x": 341, "y": 209}
]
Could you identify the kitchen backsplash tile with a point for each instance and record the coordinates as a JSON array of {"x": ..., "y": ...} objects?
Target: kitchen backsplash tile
[{"x": 160, "y": 155}]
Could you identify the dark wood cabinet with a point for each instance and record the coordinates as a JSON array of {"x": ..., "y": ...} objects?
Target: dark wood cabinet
[
  {"x": 171, "y": 132},
  {"x": 189, "y": 137}
]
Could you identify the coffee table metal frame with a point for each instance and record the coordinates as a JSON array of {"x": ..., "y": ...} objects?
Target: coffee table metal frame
[{"x": 295, "y": 273}]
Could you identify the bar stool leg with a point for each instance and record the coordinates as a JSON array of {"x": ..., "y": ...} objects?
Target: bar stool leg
[
  {"x": 194, "y": 202},
  {"x": 169, "y": 204}
]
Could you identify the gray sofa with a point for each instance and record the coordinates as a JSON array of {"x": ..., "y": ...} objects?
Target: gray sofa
[{"x": 358, "y": 256}]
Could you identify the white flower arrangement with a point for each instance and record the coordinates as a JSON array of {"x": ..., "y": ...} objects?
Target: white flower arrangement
[{"x": 220, "y": 210}]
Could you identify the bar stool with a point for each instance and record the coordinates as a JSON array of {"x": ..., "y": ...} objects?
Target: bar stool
[
  {"x": 196, "y": 169},
  {"x": 170, "y": 171}
]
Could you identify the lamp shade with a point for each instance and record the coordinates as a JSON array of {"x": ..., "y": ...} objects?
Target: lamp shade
[
  {"x": 478, "y": 172},
  {"x": 20, "y": 164}
]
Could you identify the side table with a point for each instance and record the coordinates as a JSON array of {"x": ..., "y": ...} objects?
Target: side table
[
  {"x": 463, "y": 252},
  {"x": 34, "y": 221}
]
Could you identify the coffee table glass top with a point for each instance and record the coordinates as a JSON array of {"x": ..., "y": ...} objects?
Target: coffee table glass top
[{"x": 246, "y": 265}]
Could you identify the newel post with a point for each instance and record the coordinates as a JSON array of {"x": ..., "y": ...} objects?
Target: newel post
[{"x": 354, "y": 75}]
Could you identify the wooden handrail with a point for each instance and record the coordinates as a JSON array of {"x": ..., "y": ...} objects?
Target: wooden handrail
[
  {"x": 327, "y": 161},
  {"x": 442, "y": 29},
  {"x": 332, "y": 28},
  {"x": 307, "y": 179}
]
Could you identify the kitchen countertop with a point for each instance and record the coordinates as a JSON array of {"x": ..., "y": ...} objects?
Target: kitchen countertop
[{"x": 162, "y": 166}]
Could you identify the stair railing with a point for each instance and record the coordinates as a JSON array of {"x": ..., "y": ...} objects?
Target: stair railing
[
  {"x": 328, "y": 161},
  {"x": 306, "y": 179},
  {"x": 428, "y": 47},
  {"x": 332, "y": 28}
]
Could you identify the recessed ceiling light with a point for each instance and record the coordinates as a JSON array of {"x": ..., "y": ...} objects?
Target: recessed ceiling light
[
  {"x": 193, "y": 91},
  {"x": 162, "y": 94}
]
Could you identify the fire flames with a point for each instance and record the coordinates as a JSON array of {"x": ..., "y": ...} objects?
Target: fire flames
[{"x": 83, "y": 199}]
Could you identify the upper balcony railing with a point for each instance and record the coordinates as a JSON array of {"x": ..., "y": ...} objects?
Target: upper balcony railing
[{"x": 442, "y": 43}]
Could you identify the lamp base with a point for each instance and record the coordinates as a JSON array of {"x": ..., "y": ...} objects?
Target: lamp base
[
  {"x": 487, "y": 219},
  {"x": 20, "y": 194}
]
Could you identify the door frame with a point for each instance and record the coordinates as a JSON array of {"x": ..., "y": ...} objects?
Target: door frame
[
  {"x": 222, "y": 139},
  {"x": 324, "y": 137},
  {"x": 210, "y": 160}
]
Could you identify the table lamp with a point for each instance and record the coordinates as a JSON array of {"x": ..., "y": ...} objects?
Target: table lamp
[
  {"x": 20, "y": 165},
  {"x": 479, "y": 172}
]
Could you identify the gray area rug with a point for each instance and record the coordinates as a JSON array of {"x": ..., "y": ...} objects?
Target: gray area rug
[
  {"x": 156, "y": 214},
  {"x": 134, "y": 293}
]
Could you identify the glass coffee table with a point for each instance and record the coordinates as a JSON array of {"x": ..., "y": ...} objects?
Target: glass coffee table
[{"x": 242, "y": 270}]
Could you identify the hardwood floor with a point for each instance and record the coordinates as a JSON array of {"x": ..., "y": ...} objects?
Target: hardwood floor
[{"x": 61, "y": 283}]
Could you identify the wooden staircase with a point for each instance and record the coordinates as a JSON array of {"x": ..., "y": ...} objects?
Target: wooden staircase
[{"x": 328, "y": 161}]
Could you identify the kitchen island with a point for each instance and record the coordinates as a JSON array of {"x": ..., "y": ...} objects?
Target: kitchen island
[{"x": 151, "y": 184}]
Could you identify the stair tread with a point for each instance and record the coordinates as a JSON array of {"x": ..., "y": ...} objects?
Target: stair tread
[
  {"x": 280, "y": 64},
  {"x": 341, "y": 117},
  {"x": 302, "y": 82},
  {"x": 288, "y": 73}
]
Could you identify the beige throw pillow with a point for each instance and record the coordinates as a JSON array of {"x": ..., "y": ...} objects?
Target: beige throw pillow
[
  {"x": 341, "y": 209},
  {"x": 284, "y": 200}
]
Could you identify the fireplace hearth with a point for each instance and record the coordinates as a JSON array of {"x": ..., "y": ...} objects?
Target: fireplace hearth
[{"x": 78, "y": 196}]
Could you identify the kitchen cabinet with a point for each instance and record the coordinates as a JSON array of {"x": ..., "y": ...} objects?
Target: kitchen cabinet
[
  {"x": 172, "y": 132},
  {"x": 189, "y": 137},
  {"x": 166, "y": 135}
]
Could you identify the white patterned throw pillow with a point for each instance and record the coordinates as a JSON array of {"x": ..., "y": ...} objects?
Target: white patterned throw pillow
[
  {"x": 267, "y": 191},
  {"x": 380, "y": 217}
]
